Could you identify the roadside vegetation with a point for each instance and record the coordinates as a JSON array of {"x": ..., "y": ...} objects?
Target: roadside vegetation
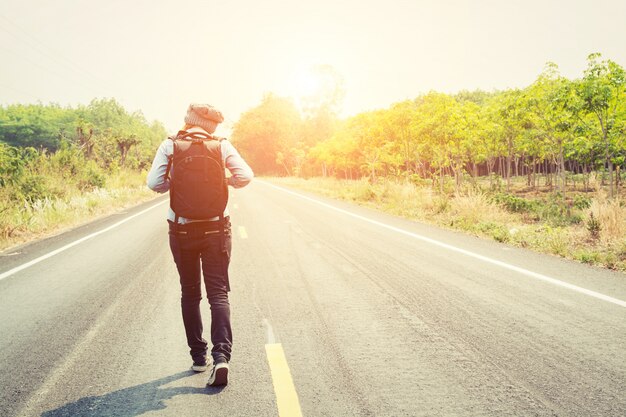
[
  {"x": 587, "y": 227},
  {"x": 541, "y": 167},
  {"x": 62, "y": 166}
]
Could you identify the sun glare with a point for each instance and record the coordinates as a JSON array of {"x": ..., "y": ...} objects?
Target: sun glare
[
  {"x": 316, "y": 86},
  {"x": 305, "y": 84}
]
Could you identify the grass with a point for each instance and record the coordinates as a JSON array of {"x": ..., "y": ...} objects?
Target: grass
[
  {"x": 584, "y": 226},
  {"x": 28, "y": 220}
]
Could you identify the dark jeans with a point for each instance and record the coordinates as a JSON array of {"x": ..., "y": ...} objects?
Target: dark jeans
[{"x": 199, "y": 247}]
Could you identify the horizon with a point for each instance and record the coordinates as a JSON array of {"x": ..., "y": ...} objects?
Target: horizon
[{"x": 384, "y": 56}]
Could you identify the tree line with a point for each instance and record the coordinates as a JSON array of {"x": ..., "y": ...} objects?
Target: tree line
[
  {"x": 46, "y": 150},
  {"x": 556, "y": 126}
]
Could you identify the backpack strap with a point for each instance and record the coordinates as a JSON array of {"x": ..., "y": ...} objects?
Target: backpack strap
[
  {"x": 167, "y": 172},
  {"x": 194, "y": 135},
  {"x": 171, "y": 157},
  {"x": 169, "y": 166}
]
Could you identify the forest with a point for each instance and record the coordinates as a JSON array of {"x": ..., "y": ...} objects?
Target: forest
[
  {"x": 558, "y": 129},
  {"x": 59, "y": 164},
  {"x": 45, "y": 150}
]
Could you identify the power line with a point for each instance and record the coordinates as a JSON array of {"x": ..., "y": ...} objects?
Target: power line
[
  {"x": 38, "y": 46},
  {"x": 20, "y": 91},
  {"x": 60, "y": 75}
]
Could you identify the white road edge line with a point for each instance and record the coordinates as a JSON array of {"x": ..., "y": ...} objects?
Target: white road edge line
[
  {"x": 74, "y": 243},
  {"x": 483, "y": 258}
]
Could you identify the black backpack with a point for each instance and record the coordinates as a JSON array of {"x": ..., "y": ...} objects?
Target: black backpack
[{"x": 198, "y": 187}]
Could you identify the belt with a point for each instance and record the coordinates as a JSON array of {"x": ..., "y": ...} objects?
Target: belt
[
  {"x": 198, "y": 223},
  {"x": 207, "y": 226}
]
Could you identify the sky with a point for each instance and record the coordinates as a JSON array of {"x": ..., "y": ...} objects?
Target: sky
[{"x": 157, "y": 56}]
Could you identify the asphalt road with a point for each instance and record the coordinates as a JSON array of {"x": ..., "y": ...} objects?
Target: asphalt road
[{"x": 373, "y": 319}]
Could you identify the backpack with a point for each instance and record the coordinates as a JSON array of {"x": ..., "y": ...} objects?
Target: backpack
[{"x": 198, "y": 187}]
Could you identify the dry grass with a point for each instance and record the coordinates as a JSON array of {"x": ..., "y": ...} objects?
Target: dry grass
[
  {"x": 476, "y": 212},
  {"x": 19, "y": 224},
  {"x": 611, "y": 218},
  {"x": 476, "y": 207}
]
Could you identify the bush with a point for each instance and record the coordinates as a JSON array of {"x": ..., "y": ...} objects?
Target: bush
[
  {"x": 554, "y": 211},
  {"x": 419, "y": 181},
  {"x": 497, "y": 231},
  {"x": 593, "y": 226},
  {"x": 34, "y": 187},
  {"x": 441, "y": 204},
  {"x": 514, "y": 203},
  {"x": 67, "y": 161},
  {"x": 581, "y": 202},
  {"x": 12, "y": 165},
  {"x": 588, "y": 257},
  {"x": 92, "y": 177}
]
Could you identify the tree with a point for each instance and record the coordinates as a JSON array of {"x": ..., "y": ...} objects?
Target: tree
[
  {"x": 492, "y": 144},
  {"x": 509, "y": 117},
  {"x": 400, "y": 122},
  {"x": 267, "y": 135},
  {"x": 441, "y": 124},
  {"x": 550, "y": 114},
  {"x": 35, "y": 125},
  {"x": 602, "y": 92}
]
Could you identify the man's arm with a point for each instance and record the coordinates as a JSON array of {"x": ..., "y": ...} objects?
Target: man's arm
[
  {"x": 156, "y": 177},
  {"x": 241, "y": 173}
]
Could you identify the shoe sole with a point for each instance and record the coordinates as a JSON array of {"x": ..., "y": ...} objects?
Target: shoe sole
[{"x": 220, "y": 378}]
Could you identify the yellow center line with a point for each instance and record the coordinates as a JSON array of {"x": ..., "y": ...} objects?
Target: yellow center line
[
  {"x": 242, "y": 232},
  {"x": 286, "y": 396}
]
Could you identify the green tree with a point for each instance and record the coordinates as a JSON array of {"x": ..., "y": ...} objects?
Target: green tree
[
  {"x": 267, "y": 135},
  {"x": 510, "y": 118},
  {"x": 550, "y": 113},
  {"x": 445, "y": 125},
  {"x": 36, "y": 125},
  {"x": 602, "y": 98}
]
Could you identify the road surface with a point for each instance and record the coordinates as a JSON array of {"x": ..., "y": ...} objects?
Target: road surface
[{"x": 337, "y": 311}]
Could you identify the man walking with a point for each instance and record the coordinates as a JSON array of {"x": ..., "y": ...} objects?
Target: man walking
[{"x": 199, "y": 227}]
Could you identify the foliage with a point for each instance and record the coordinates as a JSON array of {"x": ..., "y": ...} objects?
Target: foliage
[
  {"x": 24, "y": 219},
  {"x": 552, "y": 129},
  {"x": 267, "y": 134},
  {"x": 530, "y": 223},
  {"x": 103, "y": 131},
  {"x": 603, "y": 104},
  {"x": 51, "y": 156},
  {"x": 514, "y": 203},
  {"x": 581, "y": 202}
]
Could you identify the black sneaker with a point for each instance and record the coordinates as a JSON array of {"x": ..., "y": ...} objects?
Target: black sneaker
[
  {"x": 199, "y": 365},
  {"x": 219, "y": 374}
]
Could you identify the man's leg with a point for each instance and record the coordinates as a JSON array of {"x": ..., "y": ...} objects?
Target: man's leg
[
  {"x": 215, "y": 260},
  {"x": 188, "y": 264},
  {"x": 221, "y": 332}
]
